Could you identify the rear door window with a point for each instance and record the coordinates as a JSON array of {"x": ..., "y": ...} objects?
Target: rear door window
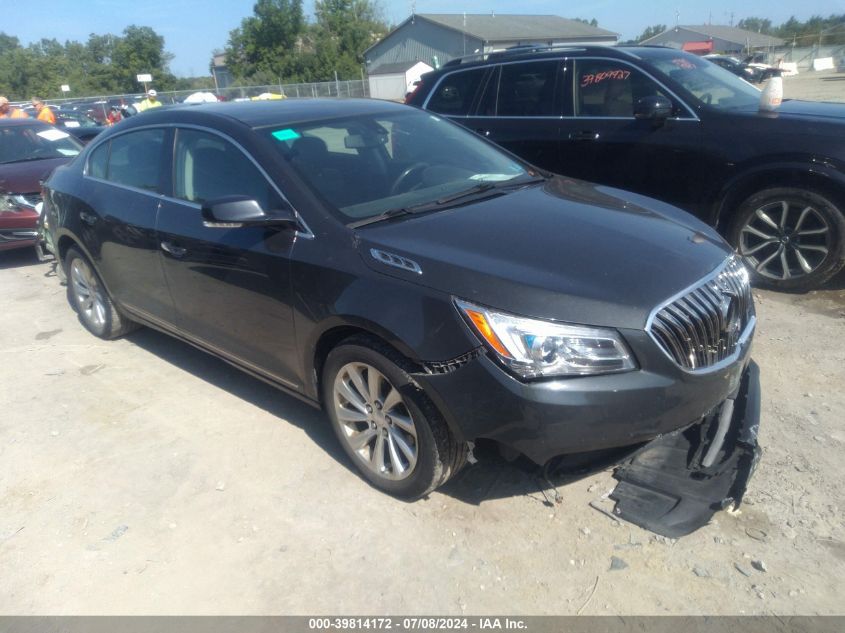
[
  {"x": 455, "y": 93},
  {"x": 528, "y": 89},
  {"x": 135, "y": 159}
]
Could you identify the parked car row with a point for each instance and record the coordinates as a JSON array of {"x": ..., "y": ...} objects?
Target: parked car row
[{"x": 437, "y": 289}]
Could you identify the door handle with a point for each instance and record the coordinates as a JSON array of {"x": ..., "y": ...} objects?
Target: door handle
[
  {"x": 89, "y": 218},
  {"x": 584, "y": 135},
  {"x": 176, "y": 251},
  {"x": 482, "y": 131}
]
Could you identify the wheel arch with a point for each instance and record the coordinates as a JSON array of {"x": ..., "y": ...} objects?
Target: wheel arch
[
  {"x": 824, "y": 181},
  {"x": 337, "y": 330}
]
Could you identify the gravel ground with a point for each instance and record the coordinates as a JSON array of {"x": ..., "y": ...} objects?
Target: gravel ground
[
  {"x": 141, "y": 476},
  {"x": 825, "y": 85}
]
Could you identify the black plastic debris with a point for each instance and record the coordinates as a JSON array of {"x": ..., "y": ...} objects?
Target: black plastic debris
[{"x": 674, "y": 485}]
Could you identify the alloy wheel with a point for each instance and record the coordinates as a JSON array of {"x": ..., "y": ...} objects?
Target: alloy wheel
[
  {"x": 784, "y": 239},
  {"x": 87, "y": 293},
  {"x": 375, "y": 422}
]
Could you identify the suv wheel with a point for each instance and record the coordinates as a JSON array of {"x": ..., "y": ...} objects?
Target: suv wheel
[
  {"x": 388, "y": 427},
  {"x": 89, "y": 298},
  {"x": 791, "y": 239}
]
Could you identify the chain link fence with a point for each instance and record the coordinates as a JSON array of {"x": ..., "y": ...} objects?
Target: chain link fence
[{"x": 325, "y": 89}]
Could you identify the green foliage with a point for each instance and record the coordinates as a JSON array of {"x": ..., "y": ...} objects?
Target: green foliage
[
  {"x": 816, "y": 30},
  {"x": 275, "y": 44},
  {"x": 592, "y": 22},
  {"x": 267, "y": 42},
  {"x": 758, "y": 25},
  {"x": 105, "y": 64},
  {"x": 651, "y": 31}
]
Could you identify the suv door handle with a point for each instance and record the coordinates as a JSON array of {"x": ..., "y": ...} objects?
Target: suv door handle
[
  {"x": 584, "y": 135},
  {"x": 89, "y": 218},
  {"x": 176, "y": 251}
]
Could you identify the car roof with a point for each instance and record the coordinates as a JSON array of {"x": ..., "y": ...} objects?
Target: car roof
[
  {"x": 257, "y": 114},
  {"x": 524, "y": 53},
  {"x": 29, "y": 121}
]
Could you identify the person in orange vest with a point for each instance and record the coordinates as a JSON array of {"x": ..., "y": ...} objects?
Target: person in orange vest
[
  {"x": 44, "y": 112},
  {"x": 8, "y": 112}
]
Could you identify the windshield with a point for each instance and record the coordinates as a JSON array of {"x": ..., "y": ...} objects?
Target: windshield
[
  {"x": 22, "y": 143},
  {"x": 709, "y": 83},
  {"x": 366, "y": 165}
]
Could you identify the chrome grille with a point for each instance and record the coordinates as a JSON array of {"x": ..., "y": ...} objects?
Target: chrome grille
[{"x": 706, "y": 324}]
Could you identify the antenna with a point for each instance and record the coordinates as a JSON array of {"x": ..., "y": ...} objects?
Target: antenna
[{"x": 677, "y": 17}]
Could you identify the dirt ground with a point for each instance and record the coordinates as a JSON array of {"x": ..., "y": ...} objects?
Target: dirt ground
[
  {"x": 825, "y": 85},
  {"x": 141, "y": 476}
]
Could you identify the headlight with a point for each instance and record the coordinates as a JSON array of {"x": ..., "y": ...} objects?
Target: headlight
[
  {"x": 14, "y": 202},
  {"x": 536, "y": 349}
]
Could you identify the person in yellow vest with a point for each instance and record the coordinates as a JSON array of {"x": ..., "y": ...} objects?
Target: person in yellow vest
[
  {"x": 8, "y": 112},
  {"x": 44, "y": 112},
  {"x": 150, "y": 102}
]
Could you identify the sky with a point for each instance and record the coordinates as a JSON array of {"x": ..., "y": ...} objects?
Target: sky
[{"x": 192, "y": 29}]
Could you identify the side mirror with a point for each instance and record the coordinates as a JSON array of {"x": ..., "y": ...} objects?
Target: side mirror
[
  {"x": 245, "y": 211},
  {"x": 654, "y": 108}
]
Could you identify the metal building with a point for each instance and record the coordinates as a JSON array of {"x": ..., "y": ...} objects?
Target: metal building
[
  {"x": 435, "y": 38},
  {"x": 722, "y": 39}
]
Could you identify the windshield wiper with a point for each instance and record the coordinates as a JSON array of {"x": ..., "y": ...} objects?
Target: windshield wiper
[
  {"x": 479, "y": 188},
  {"x": 482, "y": 187},
  {"x": 381, "y": 217}
]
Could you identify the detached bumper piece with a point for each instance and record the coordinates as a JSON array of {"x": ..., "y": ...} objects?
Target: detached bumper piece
[{"x": 675, "y": 484}]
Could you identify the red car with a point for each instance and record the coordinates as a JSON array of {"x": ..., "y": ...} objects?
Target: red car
[{"x": 29, "y": 151}]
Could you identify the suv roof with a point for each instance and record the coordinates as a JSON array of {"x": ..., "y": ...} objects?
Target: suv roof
[{"x": 537, "y": 51}]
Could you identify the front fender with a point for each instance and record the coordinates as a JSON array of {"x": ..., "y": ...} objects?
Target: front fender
[{"x": 421, "y": 323}]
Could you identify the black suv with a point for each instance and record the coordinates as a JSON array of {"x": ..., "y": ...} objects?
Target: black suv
[
  {"x": 423, "y": 286},
  {"x": 673, "y": 126}
]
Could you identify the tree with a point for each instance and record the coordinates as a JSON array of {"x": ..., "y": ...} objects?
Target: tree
[
  {"x": 344, "y": 30},
  {"x": 266, "y": 41},
  {"x": 592, "y": 22},
  {"x": 758, "y": 25},
  {"x": 106, "y": 64},
  {"x": 651, "y": 31}
]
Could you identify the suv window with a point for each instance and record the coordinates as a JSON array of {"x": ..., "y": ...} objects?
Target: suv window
[
  {"x": 455, "y": 93},
  {"x": 527, "y": 89},
  {"x": 135, "y": 159},
  {"x": 207, "y": 167},
  {"x": 606, "y": 88}
]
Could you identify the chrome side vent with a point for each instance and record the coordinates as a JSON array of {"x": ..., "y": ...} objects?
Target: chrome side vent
[
  {"x": 397, "y": 261},
  {"x": 706, "y": 324}
]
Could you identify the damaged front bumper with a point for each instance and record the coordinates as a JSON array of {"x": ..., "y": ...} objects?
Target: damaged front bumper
[{"x": 674, "y": 484}]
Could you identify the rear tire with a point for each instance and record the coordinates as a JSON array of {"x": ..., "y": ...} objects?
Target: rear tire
[
  {"x": 790, "y": 238},
  {"x": 372, "y": 401},
  {"x": 88, "y": 297}
]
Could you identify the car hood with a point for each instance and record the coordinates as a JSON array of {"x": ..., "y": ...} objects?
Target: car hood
[
  {"x": 566, "y": 250},
  {"x": 25, "y": 177},
  {"x": 794, "y": 108}
]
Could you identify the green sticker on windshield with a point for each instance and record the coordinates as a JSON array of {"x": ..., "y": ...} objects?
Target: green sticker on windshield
[{"x": 285, "y": 135}]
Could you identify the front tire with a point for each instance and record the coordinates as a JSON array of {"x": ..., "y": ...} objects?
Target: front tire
[
  {"x": 88, "y": 297},
  {"x": 790, "y": 238},
  {"x": 386, "y": 425}
]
